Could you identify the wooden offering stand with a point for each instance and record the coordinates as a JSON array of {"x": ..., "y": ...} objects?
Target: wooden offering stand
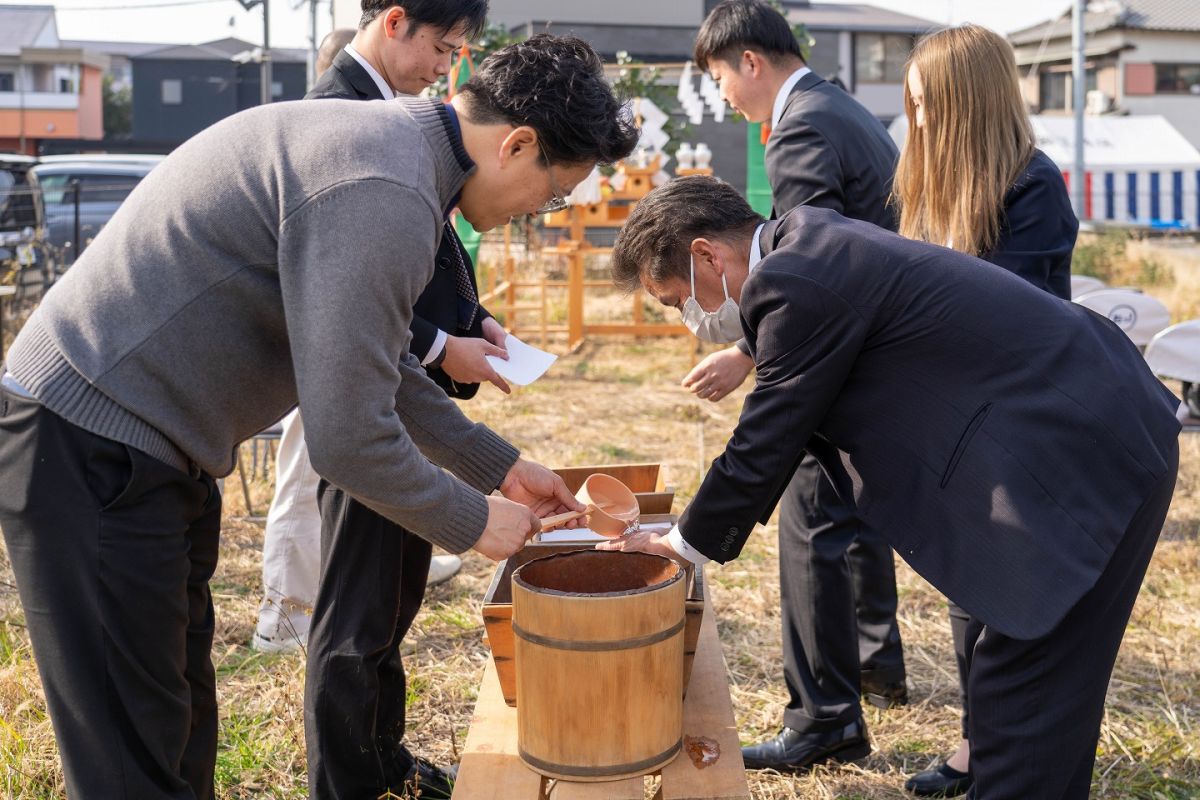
[{"x": 710, "y": 766}]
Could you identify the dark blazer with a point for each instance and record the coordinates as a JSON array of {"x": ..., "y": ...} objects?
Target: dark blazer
[
  {"x": 1000, "y": 438},
  {"x": 1038, "y": 228},
  {"x": 829, "y": 151},
  {"x": 438, "y": 306}
]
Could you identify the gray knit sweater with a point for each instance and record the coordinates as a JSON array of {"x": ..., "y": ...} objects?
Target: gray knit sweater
[{"x": 273, "y": 259}]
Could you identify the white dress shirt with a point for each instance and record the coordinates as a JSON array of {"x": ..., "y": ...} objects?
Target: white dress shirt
[
  {"x": 784, "y": 91},
  {"x": 675, "y": 538}
]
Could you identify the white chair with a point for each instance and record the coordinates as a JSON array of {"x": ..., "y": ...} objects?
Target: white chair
[
  {"x": 1082, "y": 284},
  {"x": 1139, "y": 315},
  {"x": 1175, "y": 354}
]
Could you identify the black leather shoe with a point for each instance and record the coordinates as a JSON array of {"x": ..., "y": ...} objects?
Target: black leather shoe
[
  {"x": 428, "y": 782},
  {"x": 793, "y": 750},
  {"x": 884, "y": 694},
  {"x": 941, "y": 781}
]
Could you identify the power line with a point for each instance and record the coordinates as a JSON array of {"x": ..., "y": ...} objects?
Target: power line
[{"x": 169, "y": 4}]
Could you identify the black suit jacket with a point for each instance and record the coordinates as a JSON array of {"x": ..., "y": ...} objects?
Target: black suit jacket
[
  {"x": 1038, "y": 228},
  {"x": 1000, "y": 438},
  {"x": 829, "y": 151},
  {"x": 438, "y": 306}
]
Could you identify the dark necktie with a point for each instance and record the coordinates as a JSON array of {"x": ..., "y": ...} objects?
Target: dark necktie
[{"x": 468, "y": 305}]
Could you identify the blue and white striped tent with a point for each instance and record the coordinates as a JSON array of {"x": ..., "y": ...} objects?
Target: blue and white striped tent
[{"x": 1139, "y": 169}]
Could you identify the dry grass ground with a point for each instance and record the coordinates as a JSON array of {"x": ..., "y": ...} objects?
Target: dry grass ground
[{"x": 620, "y": 401}]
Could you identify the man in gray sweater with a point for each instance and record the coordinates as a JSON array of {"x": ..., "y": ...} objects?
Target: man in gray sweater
[{"x": 271, "y": 260}]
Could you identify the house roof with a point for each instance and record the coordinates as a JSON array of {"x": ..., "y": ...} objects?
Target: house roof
[
  {"x": 1155, "y": 15},
  {"x": 854, "y": 17},
  {"x": 20, "y": 26},
  {"x": 218, "y": 50},
  {"x": 642, "y": 42},
  {"x": 126, "y": 49}
]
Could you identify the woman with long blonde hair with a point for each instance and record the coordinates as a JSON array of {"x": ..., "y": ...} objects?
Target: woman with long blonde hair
[{"x": 971, "y": 178}]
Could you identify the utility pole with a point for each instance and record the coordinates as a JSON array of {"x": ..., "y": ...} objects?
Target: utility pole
[
  {"x": 1079, "y": 91},
  {"x": 264, "y": 64},
  {"x": 312, "y": 42},
  {"x": 265, "y": 67}
]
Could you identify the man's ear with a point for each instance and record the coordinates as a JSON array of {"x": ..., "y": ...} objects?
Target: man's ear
[
  {"x": 395, "y": 22},
  {"x": 705, "y": 256},
  {"x": 520, "y": 141},
  {"x": 752, "y": 63}
]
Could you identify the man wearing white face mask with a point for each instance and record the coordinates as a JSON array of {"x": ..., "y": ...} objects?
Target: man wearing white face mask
[{"x": 721, "y": 326}]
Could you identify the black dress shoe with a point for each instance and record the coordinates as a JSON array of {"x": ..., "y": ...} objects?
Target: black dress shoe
[
  {"x": 428, "y": 782},
  {"x": 793, "y": 750},
  {"x": 941, "y": 781},
  {"x": 885, "y": 695}
]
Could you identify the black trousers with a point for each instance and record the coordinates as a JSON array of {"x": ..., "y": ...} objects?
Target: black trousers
[
  {"x": 965, "y": 630},
  {"x": 838, "y": 593},
  {"x": 1036, "y": 705},
  {"x": 373, "y": 575},
  {"x": 112, "y": 552}
]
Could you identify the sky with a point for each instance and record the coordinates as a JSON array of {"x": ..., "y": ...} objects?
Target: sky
[{"x": 194, "y": 21}]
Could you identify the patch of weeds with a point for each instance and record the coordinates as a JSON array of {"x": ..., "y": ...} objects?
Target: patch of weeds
[
  {"x": 1152, "y": 272},
  {"x": 248, "y": 755},
  {"x": 1097, "y": 256},
  {"x": 455, "y": 617},
  {"x": 616, "y": 451},
  {"x": 415, "y": 688},
  {"x": 913, "y": 746}
]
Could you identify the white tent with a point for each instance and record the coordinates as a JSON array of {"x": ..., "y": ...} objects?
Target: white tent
[{"x": 1138, "y": 168}]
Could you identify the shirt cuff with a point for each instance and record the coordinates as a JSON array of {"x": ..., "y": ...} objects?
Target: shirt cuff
[
  {"x": 676, "y": 540},
  {"x": 439, "y": 344}
]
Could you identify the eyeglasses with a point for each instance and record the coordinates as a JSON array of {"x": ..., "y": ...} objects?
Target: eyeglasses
[{"x": 560, "y": 201}]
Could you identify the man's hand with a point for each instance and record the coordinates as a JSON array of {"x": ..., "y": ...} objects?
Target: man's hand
[
  {"x": 494, "y": 332},
  {"x": 465, "y": 361},
  {"x": 643, "y": 542},
  {"x": 540, "y": 489},
  {"x": 718, "y": 374},
  {"x": 509, "y": 526}
]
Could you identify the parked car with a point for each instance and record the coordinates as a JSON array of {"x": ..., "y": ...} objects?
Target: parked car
[
  {"x": 102, "y": 183},
  {"x": 17, "y": 215}
]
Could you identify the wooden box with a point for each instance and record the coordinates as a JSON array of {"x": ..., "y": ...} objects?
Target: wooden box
[{"x": 497, "y": 611}]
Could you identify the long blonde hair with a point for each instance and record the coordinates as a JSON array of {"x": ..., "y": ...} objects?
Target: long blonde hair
[{"x": 954, "y": 172}]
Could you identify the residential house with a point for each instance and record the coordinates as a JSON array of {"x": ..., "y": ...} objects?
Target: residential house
[
  {"x": 1142, "y": 57},
  {"x": 120, "y": 67},
  {"x": 48, "y": 90},
  {"x": 179, "y": 90}
]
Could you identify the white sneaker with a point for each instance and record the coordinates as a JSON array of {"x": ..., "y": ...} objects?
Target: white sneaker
[
  {"x": 442, "y": 569},
  {"x": 280, "y": 633}
]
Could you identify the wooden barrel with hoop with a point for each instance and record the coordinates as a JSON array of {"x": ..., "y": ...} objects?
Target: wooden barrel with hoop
[{"x": 599, "y": 662}]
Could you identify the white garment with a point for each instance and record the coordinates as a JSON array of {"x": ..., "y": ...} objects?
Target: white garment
[
  {"x": 292, "y": 540},
  {"x": 782, "y": 96}
]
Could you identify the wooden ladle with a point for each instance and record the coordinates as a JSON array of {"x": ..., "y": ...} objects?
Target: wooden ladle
[{"x": 610, "y": 506}]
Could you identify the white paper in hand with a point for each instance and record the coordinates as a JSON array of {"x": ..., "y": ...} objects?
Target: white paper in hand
[{"x": 525, "y": 363}]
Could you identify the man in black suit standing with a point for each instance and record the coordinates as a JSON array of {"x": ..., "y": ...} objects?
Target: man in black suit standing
[
  {"x": 1012, "y": 446},
  {"x": 837, "y": 575},
  {"x": 355, "y": 689}
]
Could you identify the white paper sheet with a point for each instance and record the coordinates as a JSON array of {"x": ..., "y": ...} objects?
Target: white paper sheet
[
  {"x": 525, "y": 363},
  {"x": 589, "y": 535}
]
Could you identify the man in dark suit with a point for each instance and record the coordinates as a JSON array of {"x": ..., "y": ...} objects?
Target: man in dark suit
[
  {"x": 355, "y": 688},
  {"x": 1012, "y": 446},
  {"x": 837, "y": 575}
]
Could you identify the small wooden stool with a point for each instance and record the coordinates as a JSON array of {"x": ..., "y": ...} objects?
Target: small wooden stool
[{"x": 491, "y": 769}]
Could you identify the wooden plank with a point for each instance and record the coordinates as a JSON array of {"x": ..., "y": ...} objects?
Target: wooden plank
[
  {"x": 655, "y": 502},
  {"x": 638, "y": 477},
  {"x": 628, "y": 789},
  {"x": 490, "y": 768},
  {"x": 708, "y": 711}
]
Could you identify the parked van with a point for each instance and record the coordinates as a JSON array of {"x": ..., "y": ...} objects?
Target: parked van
[{"x": 102, "y": 183}]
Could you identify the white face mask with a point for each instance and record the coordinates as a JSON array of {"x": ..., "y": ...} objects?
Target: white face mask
[{"x": 722, "y": 326}]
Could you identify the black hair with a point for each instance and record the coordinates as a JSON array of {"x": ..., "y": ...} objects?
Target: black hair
[
  {"x": 556, "y": 85},
  {"x": 736, "y": 25},
  {"x": 657, "y": 237},
  {"x": 441, "y": 15}
]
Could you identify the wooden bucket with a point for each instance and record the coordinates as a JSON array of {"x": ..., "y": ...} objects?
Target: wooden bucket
[{"x": 599, "y": 659}]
